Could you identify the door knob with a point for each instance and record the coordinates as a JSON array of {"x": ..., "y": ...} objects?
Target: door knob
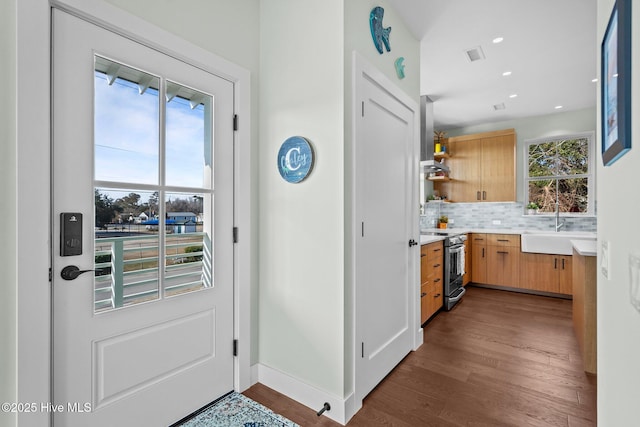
[
  {"x": 71, "y": 272},
  {"x": 412, "y": 243}
]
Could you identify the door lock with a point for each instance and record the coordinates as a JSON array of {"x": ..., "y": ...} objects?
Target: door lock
[{"x": 71, "y": 272}]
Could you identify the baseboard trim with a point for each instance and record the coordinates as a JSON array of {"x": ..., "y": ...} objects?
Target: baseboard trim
[
  {"x": 341, "y": 409},
  {"x": 520, "y": 290}
]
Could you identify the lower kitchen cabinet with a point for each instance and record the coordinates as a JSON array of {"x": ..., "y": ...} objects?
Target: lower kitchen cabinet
[
  {"x": 466, "y": 278},
  {"x": 584, "y": 308},
  {"x": 503, "y": 266},
  {"x": 479, "y": 258},
  {"x": 431, "y": 275},
  {"x": 546, "y": 273}
]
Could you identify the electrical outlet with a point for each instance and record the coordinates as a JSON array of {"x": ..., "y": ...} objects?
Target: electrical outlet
[
  {"x": 604, "y": 259},
  {"x": 634, "y": 280},
  {"x": 496, "y": 222},
  {"x": 452, "y": 221}
]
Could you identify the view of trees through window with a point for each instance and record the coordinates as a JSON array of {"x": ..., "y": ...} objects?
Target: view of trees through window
[
  {"x": 112, "y": 210},
  {"x": 558, "y": 172}
]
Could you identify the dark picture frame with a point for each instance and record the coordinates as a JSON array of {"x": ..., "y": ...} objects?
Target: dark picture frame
[{"x": 616, "y": 84}]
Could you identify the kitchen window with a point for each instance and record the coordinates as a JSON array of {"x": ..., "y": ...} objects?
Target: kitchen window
[{"x": 560, "y": 172}]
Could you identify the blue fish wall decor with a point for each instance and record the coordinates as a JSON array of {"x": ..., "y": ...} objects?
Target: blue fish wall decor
[{"x": 379, "y": 34}]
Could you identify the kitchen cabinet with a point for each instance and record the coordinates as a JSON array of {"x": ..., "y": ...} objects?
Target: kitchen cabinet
[
  {"x": 482, "y": 168},
  {"x": 479, "y": 258},
  {"x": 431, "y": 275},
  {"x": 466, "y": 278},
  {"x": 546, "y": 273},
  {"x": 503, "y": 260},
  {"x": 584, "y": 308}
]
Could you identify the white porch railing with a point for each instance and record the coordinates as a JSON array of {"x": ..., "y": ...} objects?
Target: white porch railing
[{"x": 127, "y": 268}]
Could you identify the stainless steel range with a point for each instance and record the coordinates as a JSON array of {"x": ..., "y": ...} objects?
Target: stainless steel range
[{"x": 453, "y": 267}]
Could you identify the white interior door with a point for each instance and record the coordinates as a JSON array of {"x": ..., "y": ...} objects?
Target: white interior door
[
  {"x": 386, "y": 208},
  {"x": 143, "y": 195}
]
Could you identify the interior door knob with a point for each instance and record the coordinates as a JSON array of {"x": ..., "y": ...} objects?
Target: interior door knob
[
  {"x": 412, "y": 243},
  {"x": 71, "y": 272}
]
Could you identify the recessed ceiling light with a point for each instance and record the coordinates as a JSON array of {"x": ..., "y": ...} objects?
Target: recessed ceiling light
[
  {"x": 513, "y": 95},
  {"x": 498, "y": 40},
  {"x": 558, "y": 107},
  {"x": 506, "y": 73},
  {"x": 594, "y": 80}
]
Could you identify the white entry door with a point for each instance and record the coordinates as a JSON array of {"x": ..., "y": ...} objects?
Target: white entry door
[
  {"x": 386, "y": 220},
  {"x": 142, "y": 194}
]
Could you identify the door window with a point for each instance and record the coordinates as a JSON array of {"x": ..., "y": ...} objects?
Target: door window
[{"x": 153, "y": 185}]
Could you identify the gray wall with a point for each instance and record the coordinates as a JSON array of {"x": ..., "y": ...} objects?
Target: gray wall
[
  {"x": 618, "y": 225},
  {"x": 8, "y": 171}
]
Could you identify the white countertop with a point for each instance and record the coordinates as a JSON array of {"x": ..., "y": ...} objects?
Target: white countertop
[
  {"x": 476, "y": 230},
  {"x": 426, "y": 239},
  {"x": 585, "y": 247}
]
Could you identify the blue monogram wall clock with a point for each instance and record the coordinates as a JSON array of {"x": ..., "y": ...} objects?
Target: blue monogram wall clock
[{"x": 295, "y": 159}]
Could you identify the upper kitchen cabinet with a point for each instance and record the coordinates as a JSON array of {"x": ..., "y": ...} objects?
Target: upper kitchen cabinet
[{"x": 483, "y": 168}]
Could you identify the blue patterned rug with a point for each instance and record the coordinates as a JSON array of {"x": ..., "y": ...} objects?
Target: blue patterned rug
[{"x": 237, "y": 410}]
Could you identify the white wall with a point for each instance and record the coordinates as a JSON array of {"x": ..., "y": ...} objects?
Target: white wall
[
  {"x": 555, "y": 124},
  {"x": 8, "y": 171},
  {"x": 230, "y": 29},
  {"x": 618, "y": 208},
  {"x": 301, "y": 225}
]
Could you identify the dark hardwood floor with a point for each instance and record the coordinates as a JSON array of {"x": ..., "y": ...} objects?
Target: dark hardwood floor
[{"x": 497, "y": 359}]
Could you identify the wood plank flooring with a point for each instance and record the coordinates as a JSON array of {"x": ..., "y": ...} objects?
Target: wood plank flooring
[{"x": 497, "y": 359}]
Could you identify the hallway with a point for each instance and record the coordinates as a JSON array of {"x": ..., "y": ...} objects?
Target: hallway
[{"x": 498, "y": 358}]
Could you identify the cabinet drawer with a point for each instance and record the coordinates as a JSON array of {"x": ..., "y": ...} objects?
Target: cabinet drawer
[
  {"x": 432, "y": 250},
  {"x": 478, "y": 239},
  {"x": 435, "y": 268},
  {"x": 510, "y": 240}
]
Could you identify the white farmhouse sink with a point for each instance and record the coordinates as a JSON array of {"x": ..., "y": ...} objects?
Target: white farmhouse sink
[{"x": 552, "y": 243}]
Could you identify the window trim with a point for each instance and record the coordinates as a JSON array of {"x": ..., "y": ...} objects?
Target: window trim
[{"x": 591, "y": 175}]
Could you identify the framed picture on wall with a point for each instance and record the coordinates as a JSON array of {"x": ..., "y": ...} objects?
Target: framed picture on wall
[{"x": 616, "y": 84}]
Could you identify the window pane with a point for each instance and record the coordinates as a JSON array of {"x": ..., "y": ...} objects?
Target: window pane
[
  {"x": 543, "y": 193},
  {"x": 542, "y": 159},
  {"x": 573, "y": 157},
  {"x": 188, "y": 259},
  {"x": 126, "y": 248},
  {"x": 126, "y": 124},
  {"x": 188, "y": 138},
  {"x": 573, "y": 196}
]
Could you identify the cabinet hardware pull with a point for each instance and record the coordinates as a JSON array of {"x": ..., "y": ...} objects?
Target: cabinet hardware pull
[
  {"x": 423, "y": 255},
  {"x": 478, "y": 238},
  {"x": 436, "y": 295},
  {"x": 555, "y": 263},
  {"x": 436, "y": 250},
  {"x": 478, "y": 196},
  {"x": 503, "y": 240},
  {"x": 482, "y": 252},
  {"x": 424, "y": 294},
  {"x": 436, "y": 265},
  {"x": 502, "y": 252},
  {"x": 484, "y": 195},
  {"x": 563, "y": 263},
  {"x": 436, "y": 281}
]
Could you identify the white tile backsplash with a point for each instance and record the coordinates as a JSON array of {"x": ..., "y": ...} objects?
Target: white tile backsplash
[{"x": 510, "y": 215}]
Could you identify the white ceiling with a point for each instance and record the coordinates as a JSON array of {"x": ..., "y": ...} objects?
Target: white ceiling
[{"x": 549, "y": 46}]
